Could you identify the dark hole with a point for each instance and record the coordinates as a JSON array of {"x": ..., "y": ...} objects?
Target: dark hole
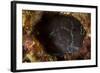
[{"x": 61, "y": 39}]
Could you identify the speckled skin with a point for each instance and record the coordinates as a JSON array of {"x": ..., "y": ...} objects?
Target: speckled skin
[{"x": 59, "y": 34}]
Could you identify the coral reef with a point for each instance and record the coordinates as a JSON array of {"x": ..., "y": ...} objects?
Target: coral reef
[{"x": 35, "y": 51}]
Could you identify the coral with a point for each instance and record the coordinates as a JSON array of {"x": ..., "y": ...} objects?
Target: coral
[{"x": 35, "y": 51}]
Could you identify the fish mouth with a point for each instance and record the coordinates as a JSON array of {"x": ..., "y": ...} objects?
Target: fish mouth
[{"x": 72, "y": 49}]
